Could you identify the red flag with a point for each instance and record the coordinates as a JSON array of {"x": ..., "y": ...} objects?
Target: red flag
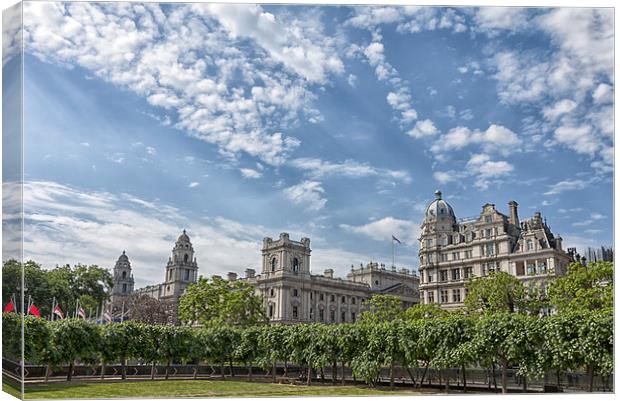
[
  {"x": 34, "y": 310},
  {"x": 58, "y": 312},
  {"x": 82, "y": 313},
  {"x": 9, "y": 307}
]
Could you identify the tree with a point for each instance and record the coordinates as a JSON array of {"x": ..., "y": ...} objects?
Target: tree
[
  {"x": 91, "y": 285},
  {"x": 72, "y": 339},
  {"x": 120, "y": 341},
  {"x": 11, "y": 336},
  {"x": 498, "y": 292},
  {"x": 382, "y": 308},
  {"x": 218, "y": 301},
  {"x": 145, "y": 309},
  {"x": 423, "y": 311},
  {"x": 584, "y": 287}
]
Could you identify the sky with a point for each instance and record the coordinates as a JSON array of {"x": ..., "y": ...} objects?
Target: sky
[{"x": 238, "y": 122}]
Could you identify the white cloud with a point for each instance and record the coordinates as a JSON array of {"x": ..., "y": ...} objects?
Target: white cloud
[
  {"x": 495, "y": 138},
  {"x": 567, "y": 185},
  {"x": 558, "y": 109},
  {"x": 188, "y": 60},
  {"x": 603, "y": 94},
  {"x": 443, "y": 177},
  {"x": 486, "y": 170},
  {"x": 581, "y": 139},
  {"x": 250, "y": 173},
  {"x": 493, "y": 19},
  {"x": 383, "y": 229},
  {"x": 352, "y": 80},
  {"x": 193, "y": 184},
  {"x": 308, "y": 193},
  {"x": 317, "y": 169},
  {"x": 151, "y": 150},
  {"x": 423, "y": 128},
  {"x": 85, "y": 144}
]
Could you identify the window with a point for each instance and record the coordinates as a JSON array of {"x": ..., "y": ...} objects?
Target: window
[
  {"x": 344, "y": 300},
  {"x": 444, "y": 257},
  {"x": 443, "y": 275},
  {"x": 488, "y": 219},
  {"x": 456, "y": 274},
  {"x": 352, "y": 316},
  {"x": 421, "y": 260},
  {"x": 170, "y": 275},
  {"x": 530, "y": 245},
  {"x": 429, "y": 242},
  {"x": 542, "y": 267},
  {"x": 332, "y": 298},
  {"x": 295, "y": 312},
  {"x": 270, "y": 310},
  {"x": 295, "y": 292},
  {"x": 124, "y": 287},
  {"x": 488, "y": 233},
  {"x": 456, "y": 295},
  {"x": 352, "y": 300},
  {"x": 490, "y": 249},
  {"x": 311, "y": 314},
  {"x": 443, "y": 294},
  {"x": 311, "y": 295},
  {"x": 272, "y": 292},
  {"x": 321, "y": 315},
  {"x": 468, "y": 237},
  {"x": 531, "y": 268},
  {"x": 295, "y": 265},
  {"x": 343, "y": 317},
  {"x": 469, "y": 272},
  {"x": 430, "y": 277},
  {"x": 444, "y": 240},
  {"x": 456, "y": 239},
  {"x": 431, "y": 297},
  {"x": 185, "y": 258},
  {"x": 456, "y": 255},
  {"x": 274, "y": 264},
  {"x": 376, "y": 282},
  {"x": 468, "y": 254},
  {"x": 186, "y": 274},
  {"x": 332, "y": 316},
  {"x": 520, "y": 268},
  {"x": 321, "y": 297},
  {"x": 124, "y": 274}
]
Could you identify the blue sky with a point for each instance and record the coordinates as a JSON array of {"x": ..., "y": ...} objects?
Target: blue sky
[{"x": 337, "y": 123}]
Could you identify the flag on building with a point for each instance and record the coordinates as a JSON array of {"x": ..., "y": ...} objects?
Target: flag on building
[
  {"x": 395, "y": 239},
  {"x": 10, "y": 307},
  {"x": 58, "y": 312},
  {"x": 33, "y": 310},
  {"x": 81, "y": 313}
]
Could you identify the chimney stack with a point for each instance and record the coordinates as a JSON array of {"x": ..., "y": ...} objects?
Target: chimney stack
[
  {"x": 514, "y": 216},
  {"x": 329, "y": 273},
  {"x": 249, "y": 273},
  {"x": 231, "y": 276}
]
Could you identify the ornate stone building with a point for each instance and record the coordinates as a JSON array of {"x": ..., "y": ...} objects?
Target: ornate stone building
[
  {"x": 292, "y": 294},
  {"x": 453, "y": 251},
  {"x": 181, "y": 271}
]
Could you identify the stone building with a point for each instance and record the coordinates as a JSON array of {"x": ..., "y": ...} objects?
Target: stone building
[
  {"x": 292, "y": 294},
  {"x": 122, "y": 283},
  {"x": 181, "y": 271},
  {"x": 453, "y": 251}
]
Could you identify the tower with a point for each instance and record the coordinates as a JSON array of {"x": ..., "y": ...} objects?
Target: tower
[
  {"x": 181, "y": 269},
  {"x": 123, "y": 279},
  {"x": 285, "y": 255}
]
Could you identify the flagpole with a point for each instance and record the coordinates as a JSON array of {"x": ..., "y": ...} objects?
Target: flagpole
[{"x": 123, "y": 312}]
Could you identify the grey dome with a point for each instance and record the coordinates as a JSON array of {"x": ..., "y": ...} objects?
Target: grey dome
[
  {"x": 123, "y": 258},
  {"x": 183, "y": 237},
  {"x": 439, "y": 209}
]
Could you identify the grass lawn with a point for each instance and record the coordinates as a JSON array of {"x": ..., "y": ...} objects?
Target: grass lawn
[
  {"x": 193, "y": 388},
  {"x": 10, "y": 388}
]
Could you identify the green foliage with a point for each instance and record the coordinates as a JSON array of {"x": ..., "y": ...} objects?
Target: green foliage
[
  {"x": 36, "y": 340},
  {"x": 121, "y": 341},
  {"x": 584, "y": 288},
  {"x": 499, "y": 292},
  {"x": 423, "y": 311},
  {"x": 11, "y": 336},
  {"x": 216, "y": 301},
  {"x": 382, "y": 308},
  {"x": 72, "y": 339}
]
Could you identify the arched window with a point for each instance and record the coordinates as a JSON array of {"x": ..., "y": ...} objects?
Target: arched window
[
  {"x": 295, "y": 265},
  {"x": 185, "y": 258},
  {"x": 274, "y": 264},
  {"x": 124, "y": 274}
]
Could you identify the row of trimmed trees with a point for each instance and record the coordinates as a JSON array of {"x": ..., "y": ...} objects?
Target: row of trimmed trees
[{"x": 580, "y": 340}]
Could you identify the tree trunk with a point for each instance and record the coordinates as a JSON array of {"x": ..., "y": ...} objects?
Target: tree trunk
[
  {"x": 153, "y": 370},
  {"x": 196, "y": 372},
  {"x": 70, "y": 372},
  {"x": 309, "y": 380},
  {"x": 285, "y": 368},
  {"x": 250, "y": 372},
  {"x": 222, "y": 369},
  {"x": 494, "y": 378},
  {"x": 123, "y": 368},
  {"x": 230, "y": 365},
  {"x": 273, "y": 371},
  {"x": 47, "y": 372},
  {"x": 423, "y": 375},
  {"x": 392, "y": 374},
  {"x": 411, "y": 375},
  {"x": 447, "y": 383},
  {"x": 342, "y": 367},
  {"x": 591, "y": 377},
  {"x": 464, "y": 373},
  {"x": 102, "y": 371},
  {"x": 322, "y": 375},
  {"x": 167, "y": 368},
  {"x": 557, "y": 379},
  {"x": 334, "y": 371},
  {"x": 525, "y": 384},
  {"x": 504, "y": 381}
]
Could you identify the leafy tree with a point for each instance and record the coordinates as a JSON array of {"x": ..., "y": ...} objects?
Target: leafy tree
[
  {"x": 423, "y": 311},
  {"x": 221, "y": 341},
  {"x": 73, "y": 339},
  {"x": 499, "y": 292},
  {"x": 11, "y": 336},
  {"x": 91, "y": 285},
  {"x": 219, "y": 301},
  {"x": 120, "y": 341},
  {"x": 382, "y": 308},
  {"x": 246, "y": 350},
  {"x": 275, "y": 342},
  {"x": 584, "y": 287}
]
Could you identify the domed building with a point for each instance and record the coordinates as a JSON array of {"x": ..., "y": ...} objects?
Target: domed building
[{"x": 452, "y": 250}]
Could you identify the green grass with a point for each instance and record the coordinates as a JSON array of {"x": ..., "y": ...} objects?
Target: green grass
[
  {"x": 11, "y": 388},
  {"x": 194, "y": 388}
]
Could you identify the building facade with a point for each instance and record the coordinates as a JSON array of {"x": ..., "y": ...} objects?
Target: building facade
[
  {"x": 292, "y": 294},
  {"x": 453, "y": 251},
  {"x": 181, "y": 271}
]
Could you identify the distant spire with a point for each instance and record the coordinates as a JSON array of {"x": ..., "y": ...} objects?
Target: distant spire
[
  {"x": 123, "y": 251},
  {"x": 183, "y": 231},
  {"x": 438, "y": 194}
]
